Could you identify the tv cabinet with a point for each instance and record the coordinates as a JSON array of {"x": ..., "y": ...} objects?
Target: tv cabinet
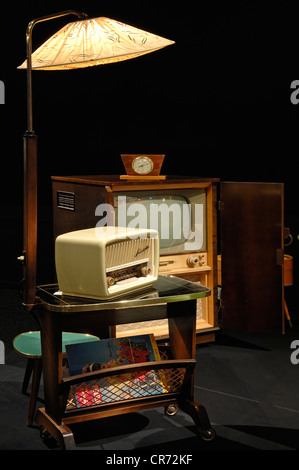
[{"x": 74, "y": 201}]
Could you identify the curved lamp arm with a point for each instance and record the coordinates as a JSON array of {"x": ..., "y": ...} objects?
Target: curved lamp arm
[{"x": 29, "y": 53}]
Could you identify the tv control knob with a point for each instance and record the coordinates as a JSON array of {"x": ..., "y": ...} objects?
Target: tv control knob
[{"x": 193, "y": 261}]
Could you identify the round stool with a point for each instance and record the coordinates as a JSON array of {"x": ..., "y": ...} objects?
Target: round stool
[{"x": 29, "y": 345}]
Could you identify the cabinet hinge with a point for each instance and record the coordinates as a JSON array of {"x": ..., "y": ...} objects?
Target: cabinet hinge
[{"x": 220, "y": 205}]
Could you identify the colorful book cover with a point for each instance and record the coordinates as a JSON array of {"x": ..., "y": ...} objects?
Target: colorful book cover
[{"x": 112, "y": 352}]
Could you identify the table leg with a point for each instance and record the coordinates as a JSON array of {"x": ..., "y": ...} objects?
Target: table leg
[
  {"x": 52, "y": 362},
  {"x": 182, "y": 337},
  {"x": 50, "y": 418},
  {"x": 61, "y": 433}
]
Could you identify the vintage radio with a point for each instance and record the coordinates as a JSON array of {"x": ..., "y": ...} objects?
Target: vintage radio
[{"x": 106, "y": 262}]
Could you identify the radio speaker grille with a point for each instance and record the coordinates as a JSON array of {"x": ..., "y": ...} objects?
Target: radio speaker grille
[{"x": 128, "y": 253}]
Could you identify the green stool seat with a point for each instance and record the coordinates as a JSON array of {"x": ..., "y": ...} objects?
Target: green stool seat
[{"x": 29, "y": 345}]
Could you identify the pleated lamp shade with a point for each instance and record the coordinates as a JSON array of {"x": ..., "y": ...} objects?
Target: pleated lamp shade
[{"x": 92, "y": 42}]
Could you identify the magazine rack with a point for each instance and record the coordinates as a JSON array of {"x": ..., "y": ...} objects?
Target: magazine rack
[{"x": 170, "y": 297}]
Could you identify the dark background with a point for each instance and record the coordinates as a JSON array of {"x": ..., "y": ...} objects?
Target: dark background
[{"x": 217, "y": 104}]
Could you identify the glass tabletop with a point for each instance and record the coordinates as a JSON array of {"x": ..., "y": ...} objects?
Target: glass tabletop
[{"x": 166, "y": 289}]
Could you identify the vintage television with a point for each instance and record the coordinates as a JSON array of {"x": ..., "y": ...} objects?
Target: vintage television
[
  {"x": 106, "y": 262},
  {"x": 182, "y": 209}
]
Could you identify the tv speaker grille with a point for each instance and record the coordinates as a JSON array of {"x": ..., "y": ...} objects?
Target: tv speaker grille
[{"x": 66, "y": 200}]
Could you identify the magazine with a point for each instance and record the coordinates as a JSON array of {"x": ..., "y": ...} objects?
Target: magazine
[{"x": 109, "y": 353}]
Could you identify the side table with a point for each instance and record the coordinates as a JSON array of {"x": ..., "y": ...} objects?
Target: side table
[{"x": 56, "y": 313}]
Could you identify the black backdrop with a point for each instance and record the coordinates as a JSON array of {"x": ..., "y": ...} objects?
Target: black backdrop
[{"x": 217, "y": 103}]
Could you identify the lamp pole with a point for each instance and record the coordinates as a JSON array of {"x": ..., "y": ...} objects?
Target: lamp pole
[{"x": 29, "y": 256}]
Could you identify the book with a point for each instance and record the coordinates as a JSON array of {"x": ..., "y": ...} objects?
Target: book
[{"x": 109, "y": 353}]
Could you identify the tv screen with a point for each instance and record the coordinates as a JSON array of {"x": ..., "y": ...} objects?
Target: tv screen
[{"x": 177, "y": 215}]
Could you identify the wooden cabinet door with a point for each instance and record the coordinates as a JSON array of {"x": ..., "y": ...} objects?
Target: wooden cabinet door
[{"x": 251, "y": 221}]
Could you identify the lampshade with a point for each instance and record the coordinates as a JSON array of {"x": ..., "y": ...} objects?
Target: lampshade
[{"x": 94, "y": 41}]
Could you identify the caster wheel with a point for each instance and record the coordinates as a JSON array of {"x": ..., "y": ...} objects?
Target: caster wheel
[
  {"x": 208, "y": 434},
  {"x": 44, "y": 434},
  {"x": 171, "y": 410}
]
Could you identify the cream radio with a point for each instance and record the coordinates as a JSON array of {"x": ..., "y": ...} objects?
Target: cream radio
[{"x": 106, "y": 262}]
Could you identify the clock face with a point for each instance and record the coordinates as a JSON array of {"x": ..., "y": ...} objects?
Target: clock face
[{"x": 142, "y": 165}]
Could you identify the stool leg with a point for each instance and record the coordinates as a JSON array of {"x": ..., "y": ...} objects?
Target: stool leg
[
  {"x": 27, "y": 375},
  {"x": 286, "y": 311},
  {"x": 37, "y": 371}
]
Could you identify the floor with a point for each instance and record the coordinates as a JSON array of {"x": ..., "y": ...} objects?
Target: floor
[{"x": 246, "y": 381}]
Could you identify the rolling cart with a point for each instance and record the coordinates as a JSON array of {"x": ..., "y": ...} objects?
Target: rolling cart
[{"x": 169, "y": 297}]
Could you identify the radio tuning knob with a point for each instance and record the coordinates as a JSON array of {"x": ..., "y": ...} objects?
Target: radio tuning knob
[
  {"x": 193, "y": 261},
  {"x": 145, "y": 271},
  {"x": 110, "y": 281}
]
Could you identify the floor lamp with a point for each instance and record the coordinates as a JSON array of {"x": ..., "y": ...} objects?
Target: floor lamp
[{"x": 83, "y": 43}]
